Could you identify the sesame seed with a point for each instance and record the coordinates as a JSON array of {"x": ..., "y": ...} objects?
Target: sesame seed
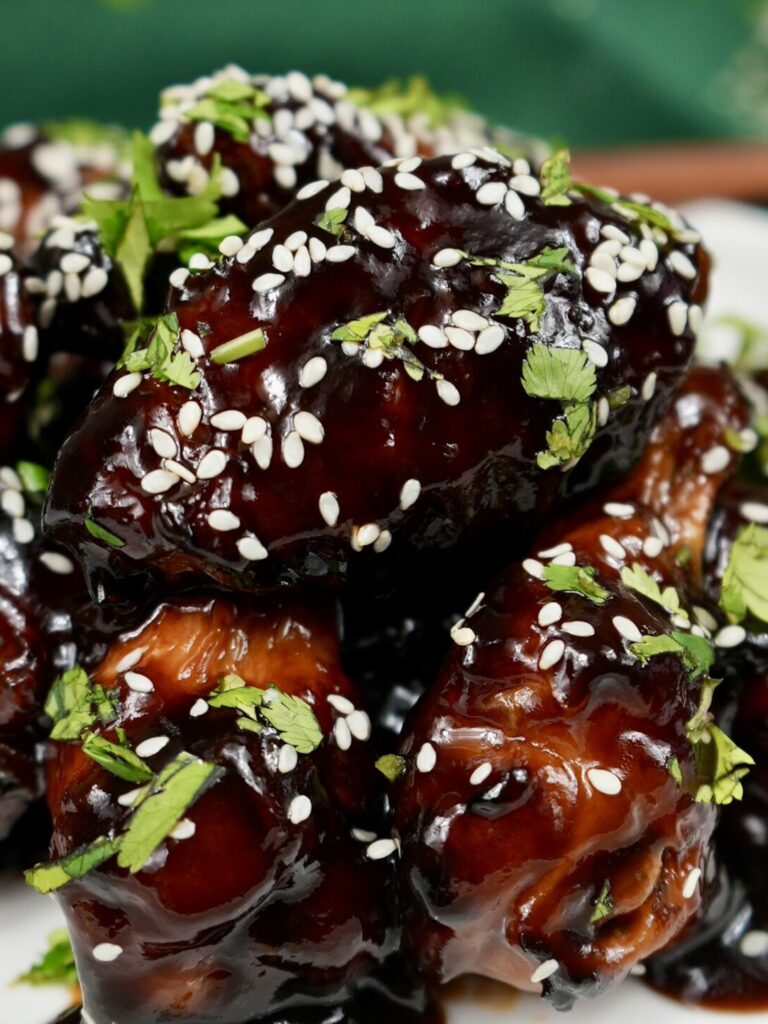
[
  {"x": 550, "y": 613},
  {"x": 199, "y": 708},
  {"x": 342, "y": 734},
  {"x": 462, "y": 161},
  {"x": 690, "y": 884},
  {"x": 695, "y": 318},
  {"x": 600, "y": 280},
  {"x": 184, "y": 829},
  {"x": 578, "y": 628},
  {"x": 448, "y": 392},
  {"x": 329, "y": 507},
  {"x": 223, "y": 520},
  {"x": 612, "y": 547},
  {"x": 432, "y": 336},
  {"x": 29, "y": 343},
  {"x": 373, "y": 179},
  {"x": 253, "y": 428},
  {"x": 211, "y": 464},
  {"x": 380, "y": 849},
  {"x": 317, "y": 250},
  {"x": 595, "y": 353},
  {"x": 544, "y": 971},
  {"x": 163, "y": 443},
  {"x": 748, "y": 438},
  {"x": 152, "y": 746},
  {"x": 129, "y": 799},
  {"x": 648, "y": 389},
  {"x": 12, "y": 503},
  {"x": 340, "y": 253},
  {"x": 381, "y": 237},
  {"x": 158, "y": 481},
  {"x": 631, "y": 254},
  {"x": 627, "y": 629},
  {"x": 409, "y": 493},
  {"x": 293, "y": 450},
  {"x": 514, "y": 205},
  {"x": 446, "y": 258},
  {"x": 10, "y": 478},
  {"x": 367, "y": 534},
  {"x": 619, "y": 509},
  {"x": 468, "y": 320},
  {"x": 489, "y": 339},
  {"x": 309, "y": 427},
  {"x": 262, "y": 451},
  {"x": 412, "y": 164},
  {"x": 266, "y": 282},
  {"x": 231, "y": 245},
  {"x": 480, "y": 774},
  {"x": 755, "y": 511},
  {"x": 629, "y": 272},
  {"x": 426, "y": 759},
  {"x": 604, "y": 781},
  {"x": 229, "y": 419},
  {"x": 129, "y": 660},
  {"x": 299, "y": 809},
  {"x": 704, "y": 618},
  {"x": 382, "y": 542},
  {"x": 677, "y": 315},
  {"x": 340, "y": 200},
  {"x": 287, "y": 759},
  {"x": 551, "y": 654},
  {"x": 106, "y": 952},
  {"x": 189, "y": 418},
  {"x": 302, "y": 263},
  {"x": 533, "y": 568},
  {"x": 652, "y": 547},
  {"x": 260, "y": 238},
  {"x": 462, "y": 635},
  {"x": 353, "y": 180},
  {"x": 681, "y": 265},
  {"x": 639, "y": 970},
  {"x": 341, "y": 704},
  {"x": 282, "y": 259},
  {"x": 362, "y": 835},
  {"x": 23, "y": 531},
  {"x": 178, "y": 277},
  {"x": 603, "y": 261},
  {"x": 565, "y": 558},
  {"x": 359, "y": 725},
  {"x": 409, "y": 182},
  {"x": 245, "y": 253},
  {"x": 252, "y": 549},
  {"x": 525, "y": 183},
  {"x": 124, "y": 385},
  {"x": 611, "y": 231},
  {"x": 199, "y": 261},
  {"x": 295, "y": 240},
  {"x": 730, "y": 636},
  {"x": 57, "y": 563},
  {"x": 610, "y": 247},
  {"x": 754, "y": 944},
  {"x": 138, "y": 682},
  {"x": 620, "y": 312},
  {"x": 491, "y": 193},
  {"x": 716, "y": 459},
  {"x": 204, "y": 138},
  {"x": 74, "y": 262}
]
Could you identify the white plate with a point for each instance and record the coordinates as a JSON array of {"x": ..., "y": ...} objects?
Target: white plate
[{"x": 738, "y": 236}]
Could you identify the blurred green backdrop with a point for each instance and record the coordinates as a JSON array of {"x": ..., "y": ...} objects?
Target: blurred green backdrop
[{"x": 591, "y": 71}]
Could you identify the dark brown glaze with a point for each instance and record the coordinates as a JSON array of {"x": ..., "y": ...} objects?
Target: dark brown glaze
[
  {"x": 381, "y": 429},
  {"x": 256, "y": 915},
  {"x": 503, "y": 869},
  {"x": 39, "y": 587},
  {"x": 310, "y": 130},
  {"x": 18, "y": 349}
]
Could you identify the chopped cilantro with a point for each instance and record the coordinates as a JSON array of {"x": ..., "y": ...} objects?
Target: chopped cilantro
[
  {"x": 673, "y": 767},
  {"x": 391, "y": 339},
  {"x": 745, "y": 580},
  {"x": 575, "y": 579},
  {"x": 102, "y": 533},
  {"x": 34, "y": 477},
  {"x": 720, "y": 764},
  {"x": 357, "y": 330},
  {"x": 55, "y": 874},
  {"x": 83, "y": 133},
  {"x": 231, "y": 106},
  {"x": 683, "y": 555},
  {"x": 159, "y": 356},
  {"x": 643, "y": 583},
  {"x": 391, "y": 766},
  {"x": 415, "y": 97},
  {"x": 208, "y": 237},
  {"x": 604, "y": 905},
  {"x": 570, "y": 436},
  {"x": 116, "y": 758},
  {"x": 619, "y": 397},
  {"x": 240, "y": 347},
  {"x": 632, "y": 210},
  {"x": 292, "y": 717},
  {"x": 565, "y": 374},
  {"x": 56, "y": 966},
  {"x": 556, "y": 179},
  {"x": 695, "y": 652},
  {"x": 525, "y": 299},
  {"x": 74, "y": 704},
  {"x": 332, "y": 220}
]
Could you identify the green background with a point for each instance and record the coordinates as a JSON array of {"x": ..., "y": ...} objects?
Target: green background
[{"x": 591, "y": 71}]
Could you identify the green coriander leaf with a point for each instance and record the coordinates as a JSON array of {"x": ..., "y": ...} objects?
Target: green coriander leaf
[
  {"x": 232, "y": 107},
  {"x": 565, "y": 374},
  {"x": 34, "y": 477},
  {"x": 245, "y": 699},
  {"x": 683, "y": 555},
  {"x": 673, "y": 767},
  {"x": 695, "y": 652},
  {"x": 720, "y": 767},
  {"x": 576, "y": 579},
  {"x": 248, "y": 725},
  {"x": 169, "y": 797},
  {"x": 208, "y": 237},
  {"x": 651, "y": 646},
  {"x": 81, "y": 132},
  {"x": 391, "y": 766},
  {"x": 570, "y": 436},
  {"x": 525, "y": 299},
  {"x": 294, "y": 719},
  {"x": 74, "y": 704},
  {"x": 159, "y": 356},
  {"x": 133, "y": 253},
  {"x": 111, "y": 216},
  {"x": 332, "y": 220},
  {"x": 49, "y": 877},
  {"x": 556, "y": 179},
  {"x": 643, "y": 583},
  {"x": 604, "y": 905},
  {"x": 116, "y": 758},
  {"x": 238, "y": 348},
  {"x": 101, "y": 533},
  {"x": 144, "y": 175},
  {"x": 640, "y": 212},
  {"x": 619, "y": 397},
  {"x": 416, "y": 97},
  {"x": 56, "y": 966},
  {"x": 745, "y": 580},
  {"x": 357, "y": 330},
  {"x": 230, "y": 682}
]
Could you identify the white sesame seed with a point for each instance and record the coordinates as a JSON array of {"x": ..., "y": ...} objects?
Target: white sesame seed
[
  {"x": 748, "y": 438},
  {"x": 462, "y": 635},
  {"x": 380, "y": 849},
  {"x": 690, "y": 884},
  {"x": 129, "y": 660},
  {"x": 631, "y": 254},
  {"x": 716, "y": 459},
  {"x": 329, "y": 507},
  {"x": 262, "y": 451},
  {"x": 302, "y": 263},
  {"x": 754, "y": 944},
  {"x": 619, "y": 509},
  {"x": 649, "y": 386},
  {"x": 514, "y": 205},
  {"x": 129, "y": 799},
  {"x": 124, "y": 385},
  {"x": 551, "y": 654},
  {"x": 359, "y": 725},
  {"x": 29, "y": 343},
  {"x": 695, "y": 318},
  {"x": 152, "y": 746},
  {"x": 755, "y": 511},
  {"x": 544, "y": 971},
  {"x": 106, "y": 952},
  {"x": 604, "y": 781},
  {"x": 340, "y": 199},
  {"x": 426, "y": 759},
  {"x": 312, "y": 372},
  {"x": 652, "y": 547},
  {"x": 189, "y": 418},
  {"x": 381, "y": 237},
  {"x": 353, "y": 180},
  {"x": 602, "y": 261},
  {"x": 611, "y": 247},
  {"x": 565, "y": 558},
  {"x": 266, "y": 282},
  {"x": 611, "y": 231},
  {"x": 525, "y": 183},
  {"x": 600, "y": 280},
  {"x": 409, "y": 493},
  {"x": 287, "y": 759},
  {"x": 223, "y": 520},
  {"x": 199, "y": 261},
  {"x": 342, "y": 734},
  {"x": 550, "y": 613},
  {"x": 57, "y": 563},
  {"x": 293, "y": 449},
  {"x": 162, "y": 442},
  {"x": 340, "y": 703},
  {"x": 704, "y": 618},
  {"x": 158, "y": 481},
  {"x": 463, "y": 160},
  {"x": 627, "y": 629},
  {"x": 23, "y": 531},
  {"x": 432, "y": 336},
  {"x": 317, "y": 250},
  {"x": 212, "y": 464},
  {"x": 411, "y": 164},
  {"x": 260, "y": 238},
  {"x": 139, "y": 683},
  {"x": 468, "y": 320},
  {"x": 362, "y": 835},
  {"x": 309, "y": 427},
  {"x": 10, "y": 478},
  {"x": 629, "y": 272},
  {"x": 178, "y": 277},
  {"x": 245, "y": 253},
  {"x": 730, "y": 636},
  {"x": 282, "y": 259},
  {"x": 409, "y": 182},
  {"x": 489, "y": 339},
  {"x": 491, "y": 193},
  {"x": 204, "y": 138},
  {"x": 578, "y": 628},
  {"x": 612, "y": 547},
  {"x": 295, "y": 240},
  {"x": 253, "y": 428},
  {"x": 73, "y": 262},
  {"x": 184, "y": 829},
  {"x": 229, "y": 419},
  {"x": 681, "y": 265},
  {"x": 252, "y": 549},
  {"x": 231, "y": 245},
  {"x": 373, "y": 179},
  {"x": 480, "y": 774},
  {"x": 677, "y": 315},
  {"x": 299, "y": 809},
  {"x": 340, "y": 253},
  {"x": 448, "y": 392},
  {"x": 603, "y": 410},
  {"x": 367, "y": 534},
  {"x": 533, "y": 568},
  {"x": 595, "y": 353},
  {"x": 639, "y": 970},
  {"x": 199, "y": 708},
  {"x": 447, "y": 258},
  {"x": 620, "y": 312}
]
